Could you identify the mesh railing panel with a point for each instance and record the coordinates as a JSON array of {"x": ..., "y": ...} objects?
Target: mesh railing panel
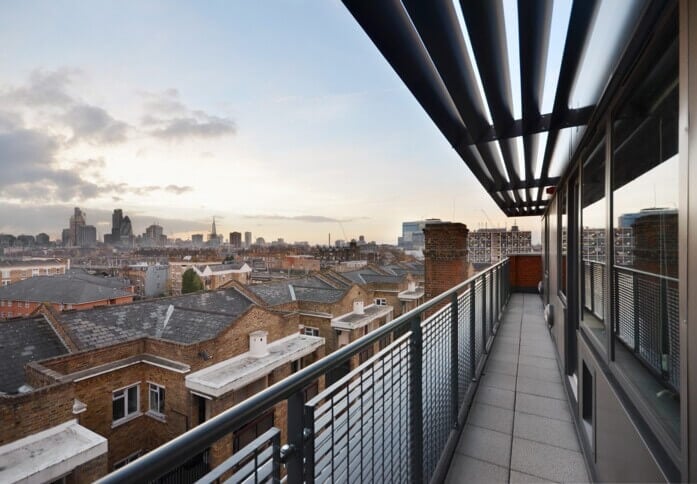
[
  {"x": 464, "y": 347},
  {"x": 437, "y": 403},
  {"x": 624, "y": 307},
  {"x": 673, "y": 312},
  {"x": 598, "y": 291},
  {"x": 647, "y": 321},
  {"x": 478, "y": 336},
  {"x": 361, "y": 423},
  {"x": 588, "y": 289}
]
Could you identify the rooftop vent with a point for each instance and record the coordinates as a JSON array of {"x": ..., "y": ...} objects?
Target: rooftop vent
[
  {"x": 358, "y": 307},
  {"x": 257, "y": 344}
]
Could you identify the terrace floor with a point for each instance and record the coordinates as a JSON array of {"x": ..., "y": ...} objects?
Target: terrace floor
[{"x": 520, "y": 426}]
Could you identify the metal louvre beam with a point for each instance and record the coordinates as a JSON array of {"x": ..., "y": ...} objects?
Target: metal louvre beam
[
  {"x": 579, "y": 28},
  {"x": 534, "y": 24},
  {"x": 391, "y": 30},
  {"x": 487, "y": 32},
  {"x": 437, "y": 24}
]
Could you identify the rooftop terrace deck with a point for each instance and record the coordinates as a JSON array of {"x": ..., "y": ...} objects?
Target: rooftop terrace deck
[{"x": 520, "y": 426}]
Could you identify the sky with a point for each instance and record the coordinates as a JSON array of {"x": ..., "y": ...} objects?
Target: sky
[{"x": 276, "y": 117}]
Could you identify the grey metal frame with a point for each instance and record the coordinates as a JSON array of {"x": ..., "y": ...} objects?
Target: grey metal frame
[{"x": 438, "y": 345}]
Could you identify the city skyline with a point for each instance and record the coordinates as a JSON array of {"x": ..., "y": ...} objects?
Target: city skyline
[{"x": 282, "y": 145}]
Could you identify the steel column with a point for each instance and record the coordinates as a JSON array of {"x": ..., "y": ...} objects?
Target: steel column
[{"x": 416, "y": 397}]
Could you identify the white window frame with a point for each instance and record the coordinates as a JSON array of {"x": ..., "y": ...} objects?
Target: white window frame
[
  {"x": 9, "y": 303},
  {"x": 159, "y": 400},
  {"x": 310, "y": 331},
  {"x": 123, "y": 393},
  {"x": 380, "y": 301}
]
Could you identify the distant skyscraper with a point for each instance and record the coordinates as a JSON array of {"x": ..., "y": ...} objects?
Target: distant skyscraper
[
  {"x": 236, "y": 240},
  {"x": 247, "y": 239},
  {"x": 197, "y": 240},
  {"x": 86, "y": 236},
  {"x": 77, "y": 220}
]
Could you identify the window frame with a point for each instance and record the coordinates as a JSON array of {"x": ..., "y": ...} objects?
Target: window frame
[
  {"x": 312, "y": 331},
  {"x": 161, "y": 399},
  {"x": 124, "y": 394}
]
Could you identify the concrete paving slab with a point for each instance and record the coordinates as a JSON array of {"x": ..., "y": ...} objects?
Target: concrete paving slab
[
  {"x": 491, "y": 417},
  {"x": 547, "y": 461},
  {"x": 484, "y": 444}
]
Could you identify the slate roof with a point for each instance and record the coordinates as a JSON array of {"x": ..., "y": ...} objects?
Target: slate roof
[
  {"x": 23, "y": 341},
  {"x": 185, "y": 319},
  {"x": 60, "y": 289},
  {"x": 366, "y": 276},
  {"x": 113, "y": 282},
  {"x": 310, "y": 289}
]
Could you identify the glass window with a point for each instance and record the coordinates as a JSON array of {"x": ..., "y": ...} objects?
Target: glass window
[
  {"x": 645, "y": 217},
  {"x": 124, "y": 403},
  {"x": 593, "y": 244},
  {"x": 157, "y": 399}
]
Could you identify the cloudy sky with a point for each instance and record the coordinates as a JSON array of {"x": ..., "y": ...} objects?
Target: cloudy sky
[{"x": 277, "y": 117}]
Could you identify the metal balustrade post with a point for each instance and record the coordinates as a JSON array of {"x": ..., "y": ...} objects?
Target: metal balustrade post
[
  {"x": 473, "y": 333},
  {"x": 276, "y": 473},
  {"x": 491, "y": 302},
  {"x": 454, "y": 377},
  {"x": 296, "y": 439},
  {"x": 485, "y": 332},
  {"x": 664, "y": 336},
  {"x": 416, "y": 400}
]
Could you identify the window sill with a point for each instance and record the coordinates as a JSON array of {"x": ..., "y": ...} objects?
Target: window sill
[
  {"x": 126, "y": 419},
  {"x": 156, "y": 416}
]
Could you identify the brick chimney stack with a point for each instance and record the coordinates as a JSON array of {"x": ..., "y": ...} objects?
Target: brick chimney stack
[{"x": 445, "y": 256}]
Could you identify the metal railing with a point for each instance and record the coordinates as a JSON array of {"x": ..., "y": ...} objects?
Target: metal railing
[{"x": 396, "y": 417}]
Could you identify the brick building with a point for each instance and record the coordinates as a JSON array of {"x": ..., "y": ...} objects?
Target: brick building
[
  {"x": 140, "y": 374},
  {"x": 74, "y": 291},
  {"x": 212, "y": 274},
  {"x": 12, "y": 271}
]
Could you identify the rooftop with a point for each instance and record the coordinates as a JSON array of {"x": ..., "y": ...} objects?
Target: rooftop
[
  {"x": 185, "y": 319},
  {"x": 353, "y": 320},
  {"x": 23, "y": 341},
  {"x": 311, "y": 289},
  {"x": 49, "y": 454},
  {"x": 62, "y": 289},
  {"x": 237, "y": 372}
]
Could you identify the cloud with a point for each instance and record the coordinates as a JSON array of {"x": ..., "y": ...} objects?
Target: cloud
[
  {"x": 178, "y": 189},
  {"x": 44, "y": 88},
  {"x": 95, "y": 125},
  {"x": 169, "y": 119},
  {"x": 303, "y": 218}
]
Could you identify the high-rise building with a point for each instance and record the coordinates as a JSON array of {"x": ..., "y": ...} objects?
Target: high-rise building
[
  {"x": 235, "y": 240},
  {"x": 77, "y": 220},
  {"x": 197, "y": 240},
  {"x": 413, "y": 234},
  {"x": 86, "y": 236},
  {"x": 247, "y": 239},
  {"x": 489, "y": 246}
]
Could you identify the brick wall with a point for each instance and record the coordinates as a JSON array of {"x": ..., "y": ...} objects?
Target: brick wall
[
  {"x": 525, "y": 272},
  {"x": 445, "y": 257}
]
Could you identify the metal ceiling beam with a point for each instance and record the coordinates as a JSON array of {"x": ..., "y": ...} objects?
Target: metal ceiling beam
[
  {"x": 527, "y": 184},
  {"x": 534, "y": 25},
  {"x": 392, "y": 31},
  {"x": 580, "y": 23},
  {"x": 487, "y": 32},
  {"x": 437, "y": 24}
]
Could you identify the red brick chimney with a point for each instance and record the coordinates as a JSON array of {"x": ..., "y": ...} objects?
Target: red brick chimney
[{"x": 445, "y": 257}]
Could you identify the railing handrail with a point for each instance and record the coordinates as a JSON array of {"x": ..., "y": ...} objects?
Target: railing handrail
[
  {"x": 171, "y": 454},
  {"x": 644, "y": 273}
]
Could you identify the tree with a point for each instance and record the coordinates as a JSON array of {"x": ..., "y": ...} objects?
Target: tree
[{"x": 191, "y": 282}]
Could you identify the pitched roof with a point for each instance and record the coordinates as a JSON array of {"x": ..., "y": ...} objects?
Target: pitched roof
[
  {"x": 23, "y": 341},
  {"x": 191, "y": 318},
  {"x": 60, "y": 289},
  {"x": 311, "y": 289}
]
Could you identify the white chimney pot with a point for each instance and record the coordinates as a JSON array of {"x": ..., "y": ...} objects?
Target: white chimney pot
[
  {"x": 412, "y": 286},
  {"x": 257, "y": 344},
  {"x": 358, "y": 307}
]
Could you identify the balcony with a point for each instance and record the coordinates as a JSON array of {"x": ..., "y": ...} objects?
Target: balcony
[{"x": 464, "y": 387}]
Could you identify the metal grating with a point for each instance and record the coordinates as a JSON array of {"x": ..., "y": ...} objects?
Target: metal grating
[
  {"x": 624, "y": 307},
  {"x": 464, "y": 347},
  {"x": 647, "y": 321},
  {"x": 587, "y": 284},
  {"x": 599, "y": 290},
  {"x": 437, "y": 404},
  {"x": 673, "y": 312},
  {"x": 478, "y": 336},
  {"x": 361, "y": 423},
  {"x": 257, "y": 462}
]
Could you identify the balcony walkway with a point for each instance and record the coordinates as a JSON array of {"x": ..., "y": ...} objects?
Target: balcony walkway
[{"x": 520, "y": 427}]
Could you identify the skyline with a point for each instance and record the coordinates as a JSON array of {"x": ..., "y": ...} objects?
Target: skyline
[{"x": 105, "y": 106}]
